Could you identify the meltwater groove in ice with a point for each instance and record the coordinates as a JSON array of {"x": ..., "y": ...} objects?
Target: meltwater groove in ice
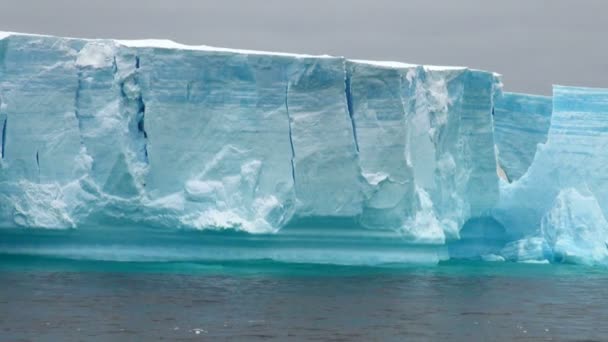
[
  {"x": 290, "y": 157},
  {"x": 521, "y": 122}
]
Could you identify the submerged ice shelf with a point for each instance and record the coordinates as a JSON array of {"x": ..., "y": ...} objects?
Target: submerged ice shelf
[{"x": 289, "y": 157}]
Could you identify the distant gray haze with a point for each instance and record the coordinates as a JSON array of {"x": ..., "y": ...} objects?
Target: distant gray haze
[{"x": 533, "y": 43}]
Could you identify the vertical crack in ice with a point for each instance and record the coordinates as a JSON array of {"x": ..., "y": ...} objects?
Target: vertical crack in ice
[
  {"x": 349, "y": 105},
  {"x": 407, "y": 108},
  {"x": 188, "y": 90},
  {"x": 38, "y": 163},
  {"x": 3, "y": 50},
  {"x": 496, "y": 91},
  {"x": 77, "y": 106},
  {"x": 4, "y": 137},
  {"x": 141, "y": 114},
  {"x": 114, "y": 66},
  {"x": 293, "y": 151},
  {"x": 133, "y": 102}
]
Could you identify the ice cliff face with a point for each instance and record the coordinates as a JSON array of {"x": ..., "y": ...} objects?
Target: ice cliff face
[
  {"x": 563, "y": 197},
  {"x": 205, "y": 138},
  {"x": 521, "y": 122},
  {"x": 104, "y": 133}
]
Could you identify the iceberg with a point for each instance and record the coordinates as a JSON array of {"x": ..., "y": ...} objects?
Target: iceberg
[
  {"x": 154, "y": 150},
  {"x": 576, "y": 229}
]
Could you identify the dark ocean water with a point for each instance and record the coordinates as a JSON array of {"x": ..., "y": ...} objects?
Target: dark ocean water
[{"x": 60, "y": 300}]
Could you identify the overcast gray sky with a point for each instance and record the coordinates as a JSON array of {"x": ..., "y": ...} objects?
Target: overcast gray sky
[{"x": 533, "y": 43}]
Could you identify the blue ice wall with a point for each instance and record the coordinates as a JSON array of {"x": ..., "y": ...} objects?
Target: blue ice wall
[
  {"x": 521, "y": 122},
  {"x": 290, "y": 157},
  {"x": 562, "y": 200},
  {"x": 205, "y": 138}
]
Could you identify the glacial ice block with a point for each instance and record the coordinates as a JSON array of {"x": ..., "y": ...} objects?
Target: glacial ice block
[
  {"x": 40, "y": 131},
  {"x": 424, "y": 136},
  {"x": 170, "y": 135},
  {"x": 579, "y": 136},
  {"x": 38, "y": 83},
  {"x": 325, "y": 161},
  {"x": 529, "y": 250},
  {"x": 218, "y": 136},
  {"x": 575, "y": 229},
  {"x": 572, "y": 158},
  {"x": 380, "y": 98},
  {"x": 451, "y": 143},
  {"x": 100, "y": 133},
  {"x": 108, "y": 109},
  {"x": 521, "y": 122}
]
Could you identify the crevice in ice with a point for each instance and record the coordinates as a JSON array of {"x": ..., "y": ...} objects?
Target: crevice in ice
[
  {"x": 349, "y": 107},
  {"x": 188, "y": 91},
  {"x": 293, "y": 151},
  {"x": 114, "y": 66},
  {"x": 4, "y": 137},
  {"x": 133, "y": 102},
  {"x": 38, "y": 162},
  {"x": 77, "y": 107},
  {"x": 141, "y": 114},
  {"x": 140, "y": 123},
  {"x": 140, "y": 120}
]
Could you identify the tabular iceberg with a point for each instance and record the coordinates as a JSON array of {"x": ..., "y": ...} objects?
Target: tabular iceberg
[{"x": 289, "y": 157}]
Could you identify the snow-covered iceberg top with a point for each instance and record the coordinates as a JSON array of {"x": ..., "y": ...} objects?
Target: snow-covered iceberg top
[{"x": 170, "y": 44}]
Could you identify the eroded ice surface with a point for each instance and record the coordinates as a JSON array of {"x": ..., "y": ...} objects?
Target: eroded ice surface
[
  {"x": 371, "y": 162},
  {"x": 521, "y": 122},
  {"x": 564, "y": 194}
]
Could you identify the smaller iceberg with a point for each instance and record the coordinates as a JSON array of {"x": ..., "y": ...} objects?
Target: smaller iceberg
[{"x": 576, "y": 229}]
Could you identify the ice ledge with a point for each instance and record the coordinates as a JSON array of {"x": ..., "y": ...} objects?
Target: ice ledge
[
  {"x": 401, "y": 65},
  {"x": 578, "y": 89},
  {"x": 170, "y": 44},
  {"x": 536, "y": 96}
]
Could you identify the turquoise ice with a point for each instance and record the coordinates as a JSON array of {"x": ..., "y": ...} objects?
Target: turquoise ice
[
  {"x": 290, "y": 157},
  {"x": 563, "y": 197},
  {"x": 521, "y": 122}
]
